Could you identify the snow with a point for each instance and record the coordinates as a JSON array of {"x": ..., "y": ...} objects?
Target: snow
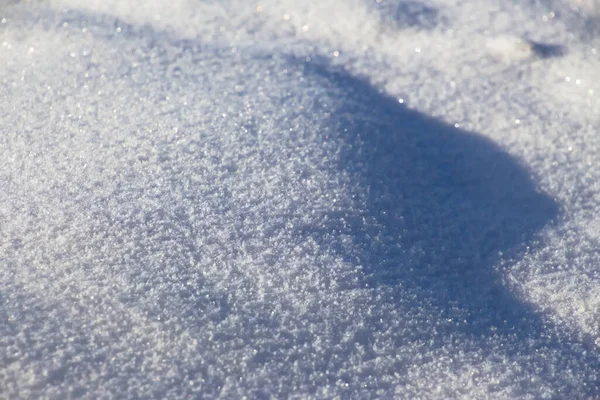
[{"x": 353, "y": 199}]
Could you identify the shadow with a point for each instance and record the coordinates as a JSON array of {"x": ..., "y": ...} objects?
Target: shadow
[
  {"x": 444, "y": 208},
  {"x": 443, "y": 204},
  {"x": 547, "y": 50},
  {"x": 410, "y": 14}
]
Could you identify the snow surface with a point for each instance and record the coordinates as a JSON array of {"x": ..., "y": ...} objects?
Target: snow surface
[{"x": 310, "y": 199}]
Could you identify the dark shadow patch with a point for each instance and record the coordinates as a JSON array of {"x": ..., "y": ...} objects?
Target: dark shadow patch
[
  {"x": 547, "y": 50},
  {"x": 447, "y": 202},
  {"x": 410, "y": 14}
]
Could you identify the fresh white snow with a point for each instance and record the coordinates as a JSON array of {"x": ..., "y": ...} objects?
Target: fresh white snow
[{"x": 300, "y": 199}]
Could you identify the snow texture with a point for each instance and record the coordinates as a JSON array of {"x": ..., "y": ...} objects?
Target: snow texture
[{"x": 300, "y": 199}]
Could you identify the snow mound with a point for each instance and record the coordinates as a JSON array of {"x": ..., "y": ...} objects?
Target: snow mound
[{"x": 297, "y": 199}]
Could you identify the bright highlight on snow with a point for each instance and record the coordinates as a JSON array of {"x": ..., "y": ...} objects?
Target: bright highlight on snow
[{"x": 296, "y": 199}]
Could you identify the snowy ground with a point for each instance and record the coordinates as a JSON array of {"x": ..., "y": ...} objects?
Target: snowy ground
[{"x": 311, "y": 199}]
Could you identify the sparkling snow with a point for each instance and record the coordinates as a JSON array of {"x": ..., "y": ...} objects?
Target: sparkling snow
[{"x": 309, "y": 199}]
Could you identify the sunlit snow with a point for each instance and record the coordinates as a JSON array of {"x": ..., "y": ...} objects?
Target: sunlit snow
[{"x": 300, "y": 199}]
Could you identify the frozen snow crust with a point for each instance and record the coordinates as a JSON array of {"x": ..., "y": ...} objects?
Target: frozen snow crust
[{"x": 294, "y": 199}]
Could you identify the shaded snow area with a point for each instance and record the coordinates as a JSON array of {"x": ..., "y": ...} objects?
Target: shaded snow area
[{"x": 346, "y": 199}]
